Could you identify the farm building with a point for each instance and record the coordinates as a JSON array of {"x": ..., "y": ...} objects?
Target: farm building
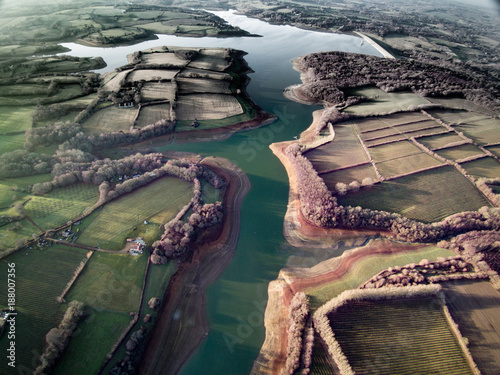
[{"x": 137, "y": 246}]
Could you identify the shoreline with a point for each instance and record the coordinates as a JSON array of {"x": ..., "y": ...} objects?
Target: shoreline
[
  {"x": 290, "y": 281},
  {"x": 175, "y": 338},
  {"x": 297, "y": 230}
]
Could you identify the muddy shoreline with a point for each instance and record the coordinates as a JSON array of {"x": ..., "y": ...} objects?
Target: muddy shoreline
[
  {"x": 290, "y": 281},
  {"x": 182, "y": 324}
]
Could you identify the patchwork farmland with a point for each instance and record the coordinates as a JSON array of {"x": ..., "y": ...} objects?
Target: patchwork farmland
[
  {"x": 414, "y": 159},
  {"x": 398, "y": 336},
  {"x": 166, "y": 84}
]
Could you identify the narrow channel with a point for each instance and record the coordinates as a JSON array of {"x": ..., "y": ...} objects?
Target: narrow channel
[{"x": 236, "y": 302}]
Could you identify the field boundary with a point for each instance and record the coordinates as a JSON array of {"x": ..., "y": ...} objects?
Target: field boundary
[{"x": 323, "y": 325}]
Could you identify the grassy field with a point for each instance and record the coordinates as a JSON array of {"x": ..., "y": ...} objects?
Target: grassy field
[
  {"x": 158, "y": 91},
  {"x": 459, "y": 103},
  {"x": 406, "y": 164},
  {"x": 158, "y": 279},
  {"x": 152, "y": 74},
  {"x": 207, "y": 107},
  {"x": 459, "y": 152},
  {"x": 456, "y": 116},
  {"x": 481, "y": 133},
  {"x": 381, "y": 101},
  {"x": 15, "y": 189},
  {"x": 485, "y": 167},
  {"x": 112, "y": 224},
  {"x": 210, "y": 61},
  {"x": 348, "y": 175},
  {"x": 247, "y": 115},
  {"x": 421, "y": 125},
  {"x": 11, "y": 235},
  {"x": 15, "y": 119},
  {"x": 474, "y": 305},
  {"x": 398, "y": 336},
  {"x": 200, "y": 73},
  {"x": 379, "y": 133},
  {"x": 10, "y": 143},
  {"x": 96, "y": 333},
  {"x": 437, "y": 141},
  {"x": 110, "y": 119},
  {"x": 365, "y": 268},
  {"x": 61, "y": 205},
  {"x": 41, "y": 276},
  {"x": 495, "y": 150},
  {"x": 111, "y": 281},
  {"x": 393, "y": 150},
  {"x": 369, "y": 124},
  {"x": 203, "y": 85},
  {"x": 423, "y": 196},
  {"x": 164, "y": 58},
  {"x": 152, "y": 113},
  {"x": 404, "y": 118},
  {"x": 113, "y": 81},
  {"x": 343, "y": 151}
]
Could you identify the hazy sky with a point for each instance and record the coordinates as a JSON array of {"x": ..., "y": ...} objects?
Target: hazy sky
[{"x": 483, "y": 3}]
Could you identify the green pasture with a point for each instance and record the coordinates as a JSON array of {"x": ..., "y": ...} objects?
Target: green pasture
[
  {"x": 209, "y": 194},
  {"x": 111, "y": 281},
  {"x": 110, "y": 119},
  {"x": 459, "y": 152},
  {"x": 348, "y": 175},
  {"x": 344, "y": 150},
  {"x": 484, "y": 167},
  {"x": 393, "y": 150},
  {"x": 494, "y": 149},
  {"x": 369, "y": 124},
  {"x": 158, "y": 278},
  {"x": 97, "y": 332},
  {"x": 437, "y": 141},
  {"x": 420, "y": 125},
  {"x": 484, "y": 131},
  {"x": 388, "y": 139},
  {"x": 381, "y": 101},
  {"x": 379, "y": 133},
  {"x": 426, "y": 196},
  {"x": 23, "y": 90},
  {"x": 406, "y": 164},
  {"x": 10, "y": 143},
  {"x": 401, "y": 118},
  {"x": 13, "y": 234},
  {"x": 461, "y": 104},
  {"x": 153, "y": 113},
  {"x": 398, "y": 336},
  {"x": 362, "y": 270},
  {"x": 159, "y": 28},
  {"x": 455, "y": 116},
  {"x": 247, "y": 115},
  {"x": 157, "y": 202},
  {"x": 61, "y": 205},
  {"x": 18, "y": 187},
  {"x": 41, "y": 275}
]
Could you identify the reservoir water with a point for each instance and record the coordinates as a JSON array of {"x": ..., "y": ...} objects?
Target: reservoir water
[{"x": 236, "y": 302}]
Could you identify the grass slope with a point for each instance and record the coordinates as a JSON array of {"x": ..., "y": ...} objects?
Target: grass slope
[{"x": 41, "y": 275}]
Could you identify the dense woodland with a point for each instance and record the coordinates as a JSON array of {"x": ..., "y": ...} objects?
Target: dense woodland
[{"x": 330, "y": 74}]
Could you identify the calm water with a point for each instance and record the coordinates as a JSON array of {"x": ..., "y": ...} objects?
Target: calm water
[{"x": 236, "y": 302}]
